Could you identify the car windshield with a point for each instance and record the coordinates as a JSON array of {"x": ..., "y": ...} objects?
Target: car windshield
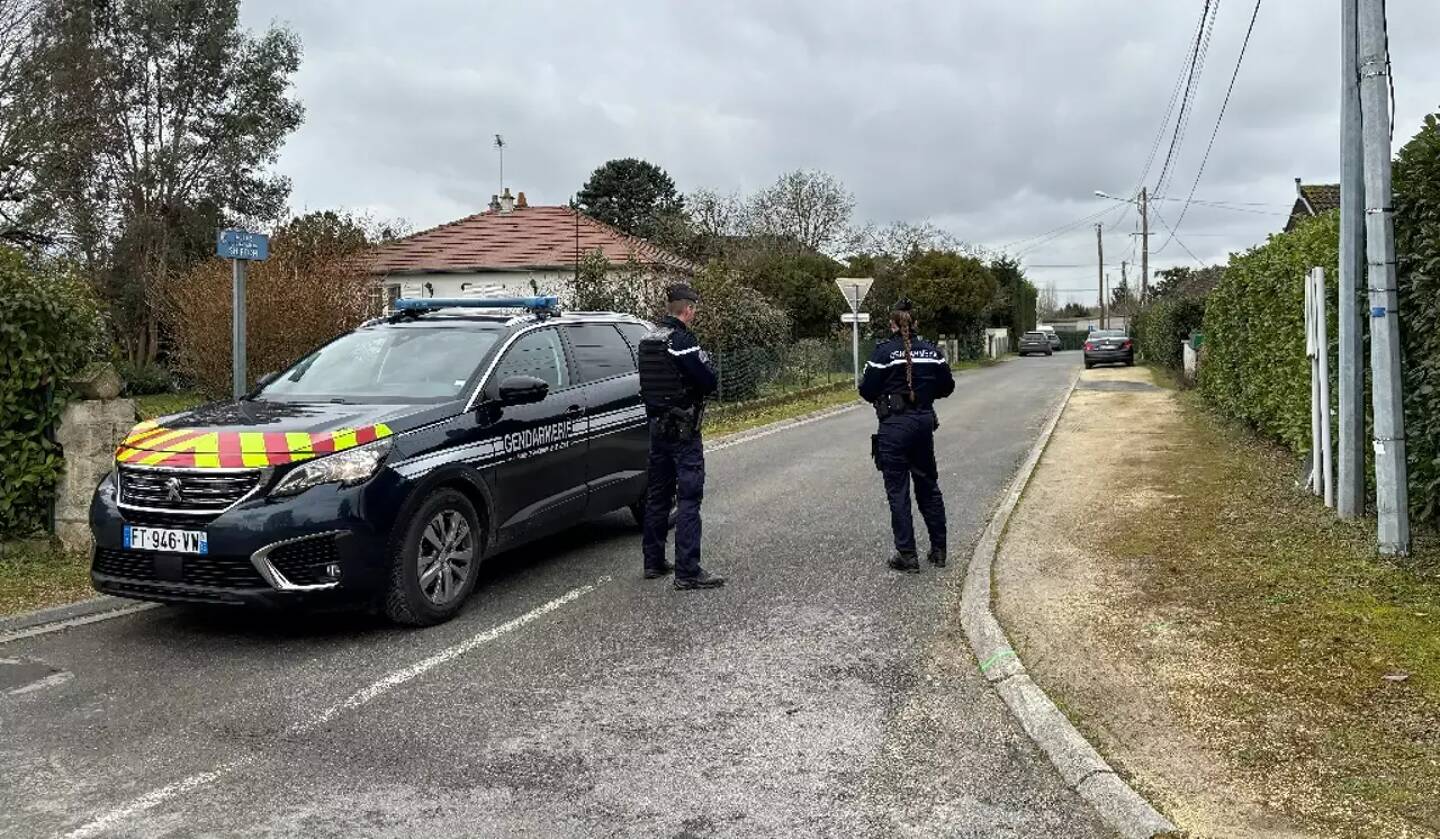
[{"x": 387, "y": 364}]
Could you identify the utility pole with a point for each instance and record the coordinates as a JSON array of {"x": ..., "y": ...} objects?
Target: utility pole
[
  {"x": 1391, "y": 491},
  {"x": 1144, "y": 241},
  {"x": 1351, "y": 484},
  {"x": 500, "y": 147},
  {"x": 1100, "y": 270}
]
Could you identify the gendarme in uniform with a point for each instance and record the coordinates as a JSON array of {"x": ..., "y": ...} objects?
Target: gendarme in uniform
[
  {"x": 903, "y": 378},
  {"x": 675, "y": 378}
]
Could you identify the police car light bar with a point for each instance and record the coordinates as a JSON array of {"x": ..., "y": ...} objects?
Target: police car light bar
[{"x": 417, "y": 305}]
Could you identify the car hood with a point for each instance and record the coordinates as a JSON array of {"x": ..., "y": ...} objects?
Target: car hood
[{"x": 254, "y": 433}]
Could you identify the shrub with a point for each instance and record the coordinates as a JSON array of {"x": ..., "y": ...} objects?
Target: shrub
[
  {"x": 313, "y": 287},
  {"x": 1417, "y": 242},
  {"x": 50, "y": 327},
  {"x": 1255, "y": 368},
  {"x": 740, "y": 327},
  {"x": 145, "y": 379},
  {"x": 1159, "y": 329}
]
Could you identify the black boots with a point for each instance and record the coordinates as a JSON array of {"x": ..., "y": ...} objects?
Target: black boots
[
  {"x": 937, "y": 557},
  {"x": 705, "y": 580},
  {"x": 656, "y": 573},
  {"x": 909, "y": 563}
]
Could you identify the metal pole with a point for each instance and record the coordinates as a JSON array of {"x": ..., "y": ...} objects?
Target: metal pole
[
  {"x": 237, "y": 334},
  {"x": 1392, "y": 495},
  {"x": 855, "y": 329},
  {"x": 1322, "y": 347},
  {"x": 1144, "y": 242},
  {"x": 1351, "y": 501},
  {"x": 1100, "y": 270}
]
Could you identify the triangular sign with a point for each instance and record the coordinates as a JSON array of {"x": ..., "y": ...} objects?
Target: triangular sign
[{"x": 854, "y": 290}]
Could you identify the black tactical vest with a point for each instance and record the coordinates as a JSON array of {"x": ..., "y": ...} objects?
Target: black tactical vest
[{"x": 661, "y": 385}]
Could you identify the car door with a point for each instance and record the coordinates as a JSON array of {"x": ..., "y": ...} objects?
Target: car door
[
  {"x": 618, "y": 437},
  {"x": 538, "y": 480}
]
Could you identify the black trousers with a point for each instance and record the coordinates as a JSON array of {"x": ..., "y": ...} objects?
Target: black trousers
[
  {"x": 907, "y": 454},
  {"x": 677, "y": 478}
]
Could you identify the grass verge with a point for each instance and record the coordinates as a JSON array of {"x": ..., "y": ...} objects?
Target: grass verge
[
  {"x": 39, "y": 573},
  {"x": 1320, "y": 678},
  {"x": 163, "y": 404}
]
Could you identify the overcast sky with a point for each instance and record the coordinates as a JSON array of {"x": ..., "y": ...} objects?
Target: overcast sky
[{"x": 995, "y": 120}]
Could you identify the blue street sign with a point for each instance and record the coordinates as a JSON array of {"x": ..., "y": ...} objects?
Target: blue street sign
[{"x": 242, "y": 244}]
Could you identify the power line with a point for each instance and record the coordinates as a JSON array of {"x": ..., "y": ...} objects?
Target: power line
[
  {"x": 1218, "y": 120},
  {"x": 1170, "y": 108},
  {"x": 1177, "y": 240},
  {"x": 1062, "y": 228},
  {"x": 1197, "y": 65}
]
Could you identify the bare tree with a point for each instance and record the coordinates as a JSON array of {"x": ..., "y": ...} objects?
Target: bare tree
[
  {"x": 811, "y": 208},
  {"x": 22, "y": 122},
  {"x": 1049, "y": 303}
]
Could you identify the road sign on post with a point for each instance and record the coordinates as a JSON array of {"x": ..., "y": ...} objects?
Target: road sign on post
[
  {"x": 855, "y": 317},
  {"x": 855, "y": 289},
  {"x": 240, "y": 247}
]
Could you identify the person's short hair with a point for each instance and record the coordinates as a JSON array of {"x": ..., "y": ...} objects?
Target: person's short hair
[{"x": 676, "y": 307}]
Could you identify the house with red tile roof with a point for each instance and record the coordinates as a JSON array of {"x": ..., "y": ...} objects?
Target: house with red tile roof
[{"x": 512, "y": 248}]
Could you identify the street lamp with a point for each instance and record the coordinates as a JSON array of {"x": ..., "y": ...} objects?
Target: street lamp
[{"x": 1143, "y": 202}]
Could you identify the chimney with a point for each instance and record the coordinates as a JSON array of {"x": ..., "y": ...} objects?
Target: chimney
[
  {"x": 507, "y": 202},
  {"x": 494, "y": 203},
  {"x": 520, "y": 202}
]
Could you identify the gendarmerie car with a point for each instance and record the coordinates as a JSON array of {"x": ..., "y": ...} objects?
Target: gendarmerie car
[{"x": 384, "y": 466}]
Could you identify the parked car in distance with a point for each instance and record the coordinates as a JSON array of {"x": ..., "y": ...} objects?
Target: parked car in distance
[
  {"x": 1109, "y": 346},
  {"x": 1036, "y": 343},
  {"x": 1054, "y": 339}
]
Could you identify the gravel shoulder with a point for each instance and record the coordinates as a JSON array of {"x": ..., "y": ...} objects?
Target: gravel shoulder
[{"x": 1153, "y": 579}]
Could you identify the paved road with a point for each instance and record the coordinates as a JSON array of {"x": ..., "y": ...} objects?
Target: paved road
[{"x": 817, "y": 695}]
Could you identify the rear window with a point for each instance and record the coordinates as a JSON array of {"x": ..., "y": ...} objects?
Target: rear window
[
  {"x": 1036, "y": 336},
  {"x": 1108, "y": 333},
  {"x": 600, "y": 352}
]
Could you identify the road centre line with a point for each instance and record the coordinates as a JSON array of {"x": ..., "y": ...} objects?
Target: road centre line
[{"x": 106, "y": 822}]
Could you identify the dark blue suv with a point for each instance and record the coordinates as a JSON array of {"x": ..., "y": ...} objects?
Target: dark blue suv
[{"x": 384, "y": 466}]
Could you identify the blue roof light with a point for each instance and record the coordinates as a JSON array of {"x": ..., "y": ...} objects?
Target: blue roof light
[{"x": 550, "y": 304}]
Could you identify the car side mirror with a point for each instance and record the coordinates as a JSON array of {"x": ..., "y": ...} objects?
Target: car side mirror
[{"x": 523, "y": 390}]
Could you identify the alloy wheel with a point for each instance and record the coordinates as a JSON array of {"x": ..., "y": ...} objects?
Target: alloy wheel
[{"x": 446, "y": 556}]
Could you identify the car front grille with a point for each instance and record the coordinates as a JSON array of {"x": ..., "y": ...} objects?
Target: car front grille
[
  {"x": 226, "y": 572},
  {"x": 200, "y": 492},
  {"x": 303, "y": 562}
]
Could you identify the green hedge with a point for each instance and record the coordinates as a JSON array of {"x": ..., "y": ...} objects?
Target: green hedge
[
  {"x": 1072, "y": 340},
  {"x": 1417, "y": 242},
  {"x": 50, "y": 327},
  {"x": 1160, "y": 328},
  {"x": 1255, "y": 365}
]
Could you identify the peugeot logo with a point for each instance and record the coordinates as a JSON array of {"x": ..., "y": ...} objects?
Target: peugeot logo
[{"x": 172, "y": 490}]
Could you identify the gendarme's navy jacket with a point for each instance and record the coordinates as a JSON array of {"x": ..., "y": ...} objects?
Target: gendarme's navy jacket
[{"x": 885, "y": 372}]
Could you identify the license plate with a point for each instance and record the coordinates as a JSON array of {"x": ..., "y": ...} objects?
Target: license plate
[{"x": 166, "y": 541}]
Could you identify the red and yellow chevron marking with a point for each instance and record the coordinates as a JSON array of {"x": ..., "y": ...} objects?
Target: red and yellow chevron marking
[{"x": 148, "y": 444}]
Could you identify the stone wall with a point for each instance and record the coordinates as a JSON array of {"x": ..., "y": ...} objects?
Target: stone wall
[{"x": 88, "y": 433}]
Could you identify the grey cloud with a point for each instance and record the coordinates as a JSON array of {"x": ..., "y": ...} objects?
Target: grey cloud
[{"x": 995, "y": 120}]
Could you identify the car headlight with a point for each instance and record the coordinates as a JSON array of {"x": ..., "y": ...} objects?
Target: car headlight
[{"x": 347, "y": 468}]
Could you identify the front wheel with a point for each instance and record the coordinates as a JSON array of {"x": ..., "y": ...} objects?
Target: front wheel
[{"x": 435, "y": 560}]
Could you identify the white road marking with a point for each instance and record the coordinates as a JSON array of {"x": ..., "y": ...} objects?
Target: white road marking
[
  {"x": 52, "y": 680},
  {"x": 47, "y": 628},
  {"x": 150, "y": 800}
]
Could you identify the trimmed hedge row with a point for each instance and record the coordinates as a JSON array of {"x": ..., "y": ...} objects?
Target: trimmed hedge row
[
  {"x": 1160, "y": 328},
  {"x": 1255, "y": 367}
]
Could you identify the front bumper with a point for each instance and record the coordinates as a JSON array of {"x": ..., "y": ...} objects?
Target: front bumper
[{"x": 263, "y": 552}]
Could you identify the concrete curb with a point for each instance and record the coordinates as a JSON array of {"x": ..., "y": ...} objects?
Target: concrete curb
[
  {"x": 65, "y": 612},
  {"x": 1079, "y": 764}
]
